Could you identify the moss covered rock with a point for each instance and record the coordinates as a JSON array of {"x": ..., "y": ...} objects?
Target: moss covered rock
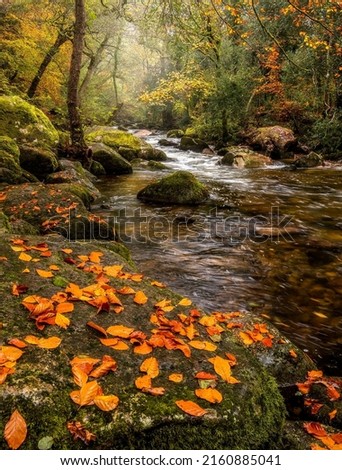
[
  {"x": 242, "y": 157},
  {"x": 175, "y": 133},
  {"x": 193, "y": 143},
  {"x": 311, "y": 160},
  {"x": 126, "y": 144},
  {"x": 10, "y": 171},
  {"x": 38, "y": 161},
  {"x": 250, "y": 415},
  {"x": 181, "y": 187},
  {"x": 111, "y": 160},
  {"x": 97, "y": 169},
  {"x": 55, "y": 209},
  {"x": 25, "y": 123}
]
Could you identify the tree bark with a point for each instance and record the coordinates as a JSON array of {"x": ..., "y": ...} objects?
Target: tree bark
[
  {"x": 60, "y": 40},
  {"x": 79, "y": 148}
]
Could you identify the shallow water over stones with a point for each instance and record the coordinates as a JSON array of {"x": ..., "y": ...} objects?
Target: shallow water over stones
[{"x": 269, "y": 240}]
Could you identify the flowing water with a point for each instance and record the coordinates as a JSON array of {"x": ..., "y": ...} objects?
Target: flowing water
[{"x": 269, "y": 241}]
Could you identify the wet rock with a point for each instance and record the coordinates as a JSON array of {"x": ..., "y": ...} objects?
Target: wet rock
[
  {"x": 10, "y": 171},
  {"x": 208, "y": 151},
  {"x": 243, "y": 157},
  {"x": 276, "y": 141},
  {"x": 111, "y": 160},
  {"x": 38, "y": 161},
  {"x": 97, "y": 169},
  {"x": 192, "y": 143},
  {"x": 175, "y": 133},
  {"x": 167, "y": 143},
  {"x": 311, "y": 160},
  {"x": 72, "y": 176},
  {"x": 181, "y": 187}
]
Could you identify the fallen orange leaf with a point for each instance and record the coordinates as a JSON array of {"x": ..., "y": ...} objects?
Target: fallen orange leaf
[
  {"x": 177, "y": 378},
  {"x": 205, "y": 376},
  {"x": 49, "y": 343},
  {"x": 15, "y": 430},
  {"x": 185, "y": 302},
  {"x": 221, "y": 367},
  {"x": 106, "y": 402},
  {"x": 17, "y": 343},
  {"x": 332, "y": 414},
  {"x": 88, "y": 392},
  {"x": 126, "y": 291},
  {"x": 246, "y": 338},
  {"x": 78, "y": 431},
  {"x": 210, "y": 394},
  {"x": 293, "y": 353},
  {"x": 11, "y": 353},
  {"x": 143, "y": 349},
  {"x": 155, "y": 391},
  {"x": 80, "y": 376},
  {"x": 315, "y": 429},
  {"x": 143, "y": 381},
  {"x": 112, "y": 271},
  {"x": 157, "y": 284},
  {"x": 65, "y": 307},
  {"x": 140, "y": 298},
  {"x": 31, "y": 339},
  {"x": 108, "y": 364},
  {"x": 95, "y": 256},
  {"x": 151, "y": 367},
  {"x": 96, "y": 327},
  {"x": 68, "y": 251},
  {"x": 45, "y": 274},
  {"x": 25, "y": 257},
  {"x": 120, "y": 331},
  {"x": 191, "y": 408}
]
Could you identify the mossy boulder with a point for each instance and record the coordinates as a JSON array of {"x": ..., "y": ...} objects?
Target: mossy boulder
[
  {"x": 10, "y": 171},
  {"x": 181, "y": 187},
  {"x": 243, "y": 157},
  {"x": 251, "y": 414},
  {"x": 111, "y": 160},
  {"x": 97, "y": 169},
  {"x": 175, "y": 133},
  {"x": 56, "y": 208},
  {"x": 152, "y": 165},
  {"x": 276, "y": 141},
  {"x": 38, "y": 161},
  {"x": 25, "y": 123},
  {"x": 311, "y": 160},
  {"x": 71, "y": 176},
  {"x": 193, "y": 143},
  {"x": 127, "y": 145}
]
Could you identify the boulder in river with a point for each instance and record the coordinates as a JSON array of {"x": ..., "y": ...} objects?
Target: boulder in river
[
  {"x": 111, "y": 160},
  {"x": 127, "y": 145},
  {"x": 181, "y": 187},
  {"x": 38, "y": 161},
  {"x": 175, "y": 133},
  {"x": 10, "y": 171},
  {"x": 243, "y": 157},
  {"x": 311, "y": 160},
  {"x": 276, "y": 141},
  {"x": 193, "y": 143}
]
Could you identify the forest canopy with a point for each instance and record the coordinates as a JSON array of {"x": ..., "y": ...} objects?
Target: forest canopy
[{"x": 216, "y": 66}]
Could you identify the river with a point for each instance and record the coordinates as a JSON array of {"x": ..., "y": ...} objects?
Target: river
[{"x": 268, "y": 241}]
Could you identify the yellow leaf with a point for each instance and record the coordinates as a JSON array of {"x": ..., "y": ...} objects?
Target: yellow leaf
[
  {"x": 185, "y": 302},
  {"x": 221, "y": 367},
  {"x": 62, "y": 321},
  {"x": 31, "y": 339},
  {"x": 210, "y": 394},
  {"x": 80, "y": 377},
  {"x": 25, "y": 257},
  {"x": 207, "y": 321},
  {"x": 151, "y": 367},
  {"x": 49, "y": 343},
  {"x": 120, "y": 331},
  {"x": 143, "y": 349},
  {"x": 45, "y": 274},
  {"x": 88, "y": 392},
  {"x": 106, "y": 402},
  {"x": 112, "y": 271},
  {"x": 11, "y": 353},
  {"x": 65, "y": 307},
  {"x": 95, "y": 256},
  {"x": 15, "y": 430},
  {"x": 140, "y": 298}
]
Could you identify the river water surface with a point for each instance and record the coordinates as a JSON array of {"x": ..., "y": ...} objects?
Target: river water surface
[{"x": 269, "y": 241}]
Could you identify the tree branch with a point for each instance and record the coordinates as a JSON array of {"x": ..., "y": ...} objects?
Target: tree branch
[{"x": 315, "y": 20}]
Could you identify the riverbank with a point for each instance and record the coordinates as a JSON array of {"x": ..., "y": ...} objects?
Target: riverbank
[{"x": 89, "y": 343}]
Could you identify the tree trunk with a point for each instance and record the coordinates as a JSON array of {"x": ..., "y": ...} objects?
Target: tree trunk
[
  {"x": 115, "y": 69},
  {"x": 60, "y": 40},
  {"x": 79, "y": 148}
]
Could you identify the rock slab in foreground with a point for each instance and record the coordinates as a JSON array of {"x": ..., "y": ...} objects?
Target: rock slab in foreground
[{"x": 181, "y": 187}]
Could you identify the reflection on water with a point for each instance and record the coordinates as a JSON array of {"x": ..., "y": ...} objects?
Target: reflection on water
[{"x": 268, "y": 241}]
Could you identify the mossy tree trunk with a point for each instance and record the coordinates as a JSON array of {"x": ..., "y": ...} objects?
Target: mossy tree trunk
[{"x": 79, "y": 149}]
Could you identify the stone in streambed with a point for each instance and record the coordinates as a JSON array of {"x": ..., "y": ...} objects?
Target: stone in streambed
[
  {"x": 180, "y": 187},
  {"x": 112, "y": 162}
]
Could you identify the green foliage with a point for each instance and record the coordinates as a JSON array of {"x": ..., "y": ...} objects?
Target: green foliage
[{"x": 326, "y": 136}]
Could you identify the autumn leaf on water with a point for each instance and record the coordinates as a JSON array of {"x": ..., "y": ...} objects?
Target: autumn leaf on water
[
  {"x": 221, "y": 367},
  {"x": 143, "y": 381},
  {"x": 15, "y": 430},
  {"x": 151, "y": 367},
  {"x": 49, "y": 343},
  {"x": 140, "y": 298},
  {"x": 78, "y": 431},
  {"x": 315, "y": 429},
  {"x": 45, "y": 274},
  {"x": 191, "y": 408},
  {"x": 176, "y": 378},
  {"x": 106, "y": 402},
  {"x": 210, "y": 394}
]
